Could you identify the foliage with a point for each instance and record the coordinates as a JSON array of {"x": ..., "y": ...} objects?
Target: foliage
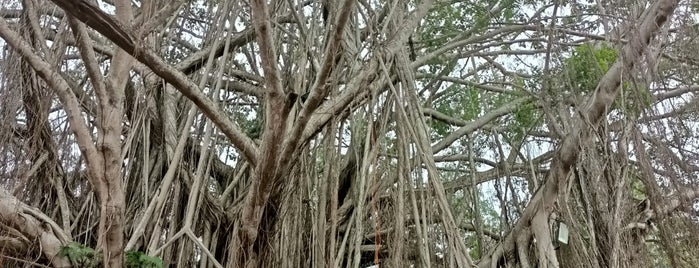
[
  {"x": 251, "y": 125},
  {"x": 587, "y": 65},
  {"x": 525, "y": 118},
  {"x": 633, "y": 99},
  {"x": 81, "y": 256},
  {"x": 462, "y": 102},
  {"x": 84, "y": 257},
  {"x": 448, "y": 19},
  {"x": 136, "y": 259}
]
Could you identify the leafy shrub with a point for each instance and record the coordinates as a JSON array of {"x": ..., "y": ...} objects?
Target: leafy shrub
[
  {"x": 81, "y": 256},
  {"x": 135, "y": 259}
]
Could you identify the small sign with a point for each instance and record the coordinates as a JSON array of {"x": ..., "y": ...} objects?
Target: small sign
[{"x": 562, "y": 233}]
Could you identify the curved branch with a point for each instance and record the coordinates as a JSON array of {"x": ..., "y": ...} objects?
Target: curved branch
[
  {"x": 481, "y": 121},
  {"x": 19, "y": 216},
  {"x": 105, "y": 24}
]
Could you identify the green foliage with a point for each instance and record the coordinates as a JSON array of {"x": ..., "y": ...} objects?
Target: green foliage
[
  {"x": 462, "y": 102},
  {"x": 638, "y": 189},
  {"x": 452, "y": 18},
  {"x": 251, "y": 125},
  {"x": 694, "y": 6},
  {"x": 135, "y": 259},
  {"x": 526, "y": 117},
  {"x": 585, "y": 68},
  {"x": 588, "y": 64},
  {"x": 81, "y": 256},
  {"x": 441, "y": 23},
  {"x": 470, "y": 102},
  {"x": 633, "y": 100},
  {"x": 253, "y": 128}
]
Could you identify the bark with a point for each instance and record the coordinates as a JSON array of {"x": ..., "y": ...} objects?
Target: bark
[
  {"x": 35, "y": 226},
  {"x": 110, "y": 98},
  {"x": 266, "y": 172},
  {"x": 111, "y": 227}
]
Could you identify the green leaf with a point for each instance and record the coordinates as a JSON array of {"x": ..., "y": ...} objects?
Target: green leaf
[
  {"x": 587, "y": 65},
  {"x": 80, "y": 256},
  {"x": 136, "y": 259}
]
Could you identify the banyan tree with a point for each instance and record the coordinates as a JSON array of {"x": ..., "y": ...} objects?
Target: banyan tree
[{"x": 345, "y": 133}]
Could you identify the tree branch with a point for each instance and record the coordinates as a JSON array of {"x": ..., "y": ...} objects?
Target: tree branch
[
  {"x": 94, "y": 17},
  {"x": 13, "y": 213}
]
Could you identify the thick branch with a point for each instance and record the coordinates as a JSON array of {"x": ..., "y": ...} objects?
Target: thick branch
[
  {"x": 94, "y": 17},
  {"x": 481, "y": 121},
  {"x": 15, "y": 214}
]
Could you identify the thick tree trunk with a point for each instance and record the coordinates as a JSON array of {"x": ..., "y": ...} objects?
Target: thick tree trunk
[{"x": 112, "y": 194}]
